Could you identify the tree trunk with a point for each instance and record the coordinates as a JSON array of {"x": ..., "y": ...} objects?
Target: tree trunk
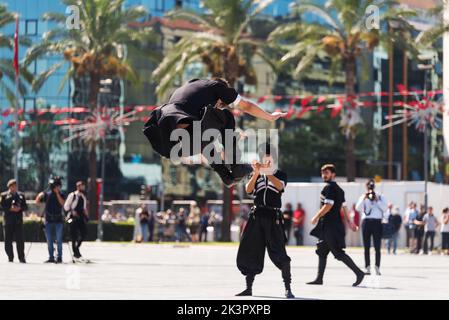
[
  {"x": 230, "y": 73},
  {"x": 92, "y": 189},
  {"x": 350, "y": 93},
  {"x": 227, "y": 214}
]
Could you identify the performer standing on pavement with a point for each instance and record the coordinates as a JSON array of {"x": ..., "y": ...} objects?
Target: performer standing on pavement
[
  {"x": 330, "y": 229},
  {"x": 264, "y": 229}
]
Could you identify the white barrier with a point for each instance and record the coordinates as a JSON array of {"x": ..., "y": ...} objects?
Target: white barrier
[{"x": 398, "y": 193}]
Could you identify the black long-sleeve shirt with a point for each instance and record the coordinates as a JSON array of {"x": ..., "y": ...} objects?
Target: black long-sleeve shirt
[
  {"x": 265, "y": 192},
  {"x": 7, "y": 199}
]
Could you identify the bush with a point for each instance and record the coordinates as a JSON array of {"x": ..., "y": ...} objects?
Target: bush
[{"x": 120, "y": 231}]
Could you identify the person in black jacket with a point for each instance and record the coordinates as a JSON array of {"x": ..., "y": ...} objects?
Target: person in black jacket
[
  {"x": 264, "y": 230},
  {"x": 13, "y": 204},
  {"x": 395, "y": 221},
  {"x": 196, "y": 107},
  {"x": 330, "y": 229},
  {"x": 54, "y": 200}
]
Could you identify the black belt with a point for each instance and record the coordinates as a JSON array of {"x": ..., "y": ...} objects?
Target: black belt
[
  {"x": 266, "y": 207},
  {"x": 277, "y": 211}
]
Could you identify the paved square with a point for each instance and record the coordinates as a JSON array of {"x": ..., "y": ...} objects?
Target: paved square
[{"x": 165, "y": 271}]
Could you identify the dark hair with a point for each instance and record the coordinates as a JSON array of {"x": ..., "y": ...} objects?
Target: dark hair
[
  {"x": 267, "y": 149},
  {"x": 445, "y": 210},
  {"x": 370, "y": 184},
  {"x": 329, "y": 167},
  {"x": 221, "y": 80}
]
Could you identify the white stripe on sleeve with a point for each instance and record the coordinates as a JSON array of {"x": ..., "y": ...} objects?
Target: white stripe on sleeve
[{"x": 236, "y": 101}]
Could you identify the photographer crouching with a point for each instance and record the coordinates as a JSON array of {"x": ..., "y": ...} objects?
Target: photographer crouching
[
  {"x": 13, "y": 204},
  {"x": 372, "y": 205},
  {"x": 76, "y": 206},
  {"x": 54, "y": 200}
]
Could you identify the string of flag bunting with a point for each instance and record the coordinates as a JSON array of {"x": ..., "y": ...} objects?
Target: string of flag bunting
[{"x": 424, "y": 107}]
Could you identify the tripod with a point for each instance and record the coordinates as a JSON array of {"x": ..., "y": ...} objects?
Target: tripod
[{"x": 40, "y": 227}]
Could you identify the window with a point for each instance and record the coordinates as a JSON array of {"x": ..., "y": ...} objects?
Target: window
[
  {"x": 159, "y": 5},
  {"x": 31, "y": 27},
  {"x": 28, "y": 104}
]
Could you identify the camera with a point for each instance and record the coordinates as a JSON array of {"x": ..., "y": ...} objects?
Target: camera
[
  {"x": 55, "y": 182},
  {"x": 371, "y": 194}
]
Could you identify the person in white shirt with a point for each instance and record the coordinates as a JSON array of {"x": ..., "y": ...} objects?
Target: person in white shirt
[
  {"x": 430, "y": 223},
  {"x": 445, "y": 231},
  {"x": 372, "y": 206},
  {"x": 410, "y": 214},
  {"x": 76, "y": 206}
]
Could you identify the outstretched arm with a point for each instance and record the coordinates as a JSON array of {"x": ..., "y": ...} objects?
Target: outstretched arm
[{"x": 256, "y": 111}]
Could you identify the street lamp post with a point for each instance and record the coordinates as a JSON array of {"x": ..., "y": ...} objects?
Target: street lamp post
[
  {"x": 426, "y": 68},
  {"x": 104, "y": 97}
]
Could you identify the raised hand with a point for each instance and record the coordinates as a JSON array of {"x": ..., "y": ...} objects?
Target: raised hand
[{"x": 276, "y": 115}]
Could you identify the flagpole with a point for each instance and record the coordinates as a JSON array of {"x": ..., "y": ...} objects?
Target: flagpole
[
  {"x": 16, "y": 134},
  {"x": 16, "y": 112}
]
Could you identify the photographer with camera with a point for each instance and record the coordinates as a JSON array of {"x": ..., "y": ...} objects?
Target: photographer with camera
[
  {"x": 372, "y": 205},
  {"x": 13, "y": 204},
  {"x": 77, "y": 218},
  {"x": 54, "y": 218}
]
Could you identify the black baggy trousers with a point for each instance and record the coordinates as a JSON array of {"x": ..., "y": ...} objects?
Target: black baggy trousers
[
  {"x": 264, "y": 230},
  {"x": 13, "y": 231},
  {"x": 163, "y": 122}
]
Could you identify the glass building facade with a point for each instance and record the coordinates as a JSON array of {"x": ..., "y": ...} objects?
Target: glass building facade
[{"x": 33, "y": 27}]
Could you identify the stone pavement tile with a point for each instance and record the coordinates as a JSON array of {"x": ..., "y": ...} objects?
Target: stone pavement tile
[{"x": 165, "y": 271}]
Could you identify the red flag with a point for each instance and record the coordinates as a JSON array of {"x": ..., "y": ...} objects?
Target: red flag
[
  {"x": 306, "y": 100},
  {"x": 16, "y": 48},
  {"x": 337, "y": 109}
]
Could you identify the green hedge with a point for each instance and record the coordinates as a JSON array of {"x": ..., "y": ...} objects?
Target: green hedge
[{"x": 121, "y": 231}]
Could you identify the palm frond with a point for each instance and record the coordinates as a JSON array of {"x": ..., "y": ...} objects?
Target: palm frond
[
  {"x": 260, "y": 6},
  {"x": 307, "y": 60},
  {"x": 42, "y": 77},
  {"x": 322, "y": 13}
]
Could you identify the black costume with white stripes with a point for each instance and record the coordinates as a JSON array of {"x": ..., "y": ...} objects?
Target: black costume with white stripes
[
  {"x": 194, "y": 101},
  {"x": 330, "y": 231},
  {"x": 265, "y": 230},
  {"x": 266, "y": 193}
]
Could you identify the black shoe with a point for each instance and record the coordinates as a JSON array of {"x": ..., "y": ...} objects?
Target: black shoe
[
  {"x": 240, "y": 171},
  {"x": 22, "y": 261},
  {"x": 59, "y": 260},
  {"x": 225, "y": 175},
  {"x": 289, "y": 294},
  {"x": 51, "y": 260},
  {"x": 359, "y": 280},
  {"x": 245, "y": 293},
  {"x": 315, "y": 282}
]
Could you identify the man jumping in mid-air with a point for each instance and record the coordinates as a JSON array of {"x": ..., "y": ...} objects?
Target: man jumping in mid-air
[{"x": 207, "y": 101}]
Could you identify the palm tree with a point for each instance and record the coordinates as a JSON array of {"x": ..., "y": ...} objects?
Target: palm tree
[
  {"x": 341, "y": 36},
  {"x": 432, "y": 35},
  {"x": 225, "y": 47},
  {"x": 95, "y": 51},
  {"x": 43, "y": 138}
]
